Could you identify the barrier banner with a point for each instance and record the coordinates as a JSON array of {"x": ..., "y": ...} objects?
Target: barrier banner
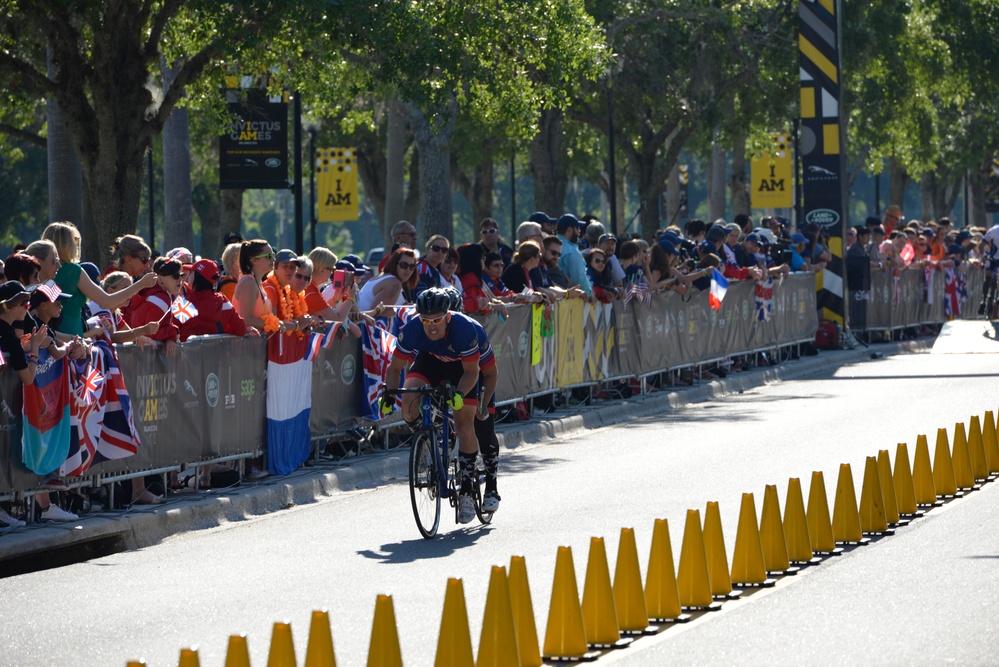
[
  {"x": 598, "y": 341},
  {"x": 335, "y": 386},
  {"x": 13, "y": 474},
  {"x": 511, "y": 343},
  {"x": 899, "y": 301},
  {"x": 570, "y": 339}
]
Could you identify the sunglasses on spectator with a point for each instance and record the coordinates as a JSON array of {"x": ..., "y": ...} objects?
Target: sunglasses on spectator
[
  {"x": 490, "y": 231},
  {"x": 597, "y": 260},
  {"x": 439, "y": 248},
  {"x": 268, "y": 255},
  {"x": 144, "y": 259},
  {"x": 554, "y": 253},
  {"x": 408, "y": 266},
  {"x": 302, "y": 276},
  {"x": 450, "y": 260},
  {"x": 433, "y": 320}
]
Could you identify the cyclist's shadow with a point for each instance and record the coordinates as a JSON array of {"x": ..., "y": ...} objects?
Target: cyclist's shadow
[{"x": 441, "y": 546}]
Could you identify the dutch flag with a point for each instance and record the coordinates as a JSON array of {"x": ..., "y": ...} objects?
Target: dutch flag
[
  {"x": 718, "y": 288},
  {"x": 315, "y": 343}
]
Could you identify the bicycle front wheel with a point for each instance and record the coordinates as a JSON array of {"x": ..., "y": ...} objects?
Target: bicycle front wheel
[
  {"x": 480, "y": 476},
  {"x": 424, "y": 484}
]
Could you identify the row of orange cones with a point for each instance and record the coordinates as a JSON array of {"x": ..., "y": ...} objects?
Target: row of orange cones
[{"x": 610, "y": 610}]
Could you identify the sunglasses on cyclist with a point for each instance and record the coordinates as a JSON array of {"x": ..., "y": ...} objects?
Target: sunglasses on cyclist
[{"x": 439, "y": 319}]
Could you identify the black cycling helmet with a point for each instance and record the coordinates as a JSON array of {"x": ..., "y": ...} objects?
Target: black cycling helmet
[
  {"x": 455, "y": 297},
  {"x": 433, "y": 301}
]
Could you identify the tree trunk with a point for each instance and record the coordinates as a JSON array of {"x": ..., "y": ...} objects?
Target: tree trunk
[
  {"x": 230, "y": 211},
  {"x": 547, "y": 164},
  {"x": 976, "y": 189},
  {"x": 716, "y": 183},
  {"x": 672, "y": 197},
  {"x": 113, "y": 181},
  {"x": 411, "y": 209},
  {"x": 205, "y": 200},
  {"x": 898, "y": 183},
  {"x": 433, "y": 138},
  {"x": 395, "y": 170},
  {"x": 738, "y": 184},
  {"x": 371, "y": 167},
  {"x": 926, "y": 186},
  {"x": 65, "y": 176},
  {"x": 178, "y": 229},
  {"x": 478, "y": 189}
]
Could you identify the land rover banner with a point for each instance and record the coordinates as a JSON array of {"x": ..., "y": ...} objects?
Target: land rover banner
[
  {"x": 253, "y": 154},
  {"x": 823, "y": 161}
]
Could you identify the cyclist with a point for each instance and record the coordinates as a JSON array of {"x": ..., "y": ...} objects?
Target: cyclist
[
  {"x": 485, "y": 416},
  {"x": 442, "y": 347}
]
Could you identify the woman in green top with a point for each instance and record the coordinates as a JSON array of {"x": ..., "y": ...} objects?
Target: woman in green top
[{"x": 73, "y": 280}]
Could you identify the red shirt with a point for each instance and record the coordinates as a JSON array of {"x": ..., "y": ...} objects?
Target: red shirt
[
  {"x": 472, "y": 287},
  {"x": 314, "y": 300},
  {"x": 215, "y": 316},
  {"x": 152, "y": 305}
]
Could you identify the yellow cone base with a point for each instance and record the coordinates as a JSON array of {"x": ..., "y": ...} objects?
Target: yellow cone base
[
  {"x": 623, "y": 642},
  {"x": 734, "y": 594},
  {"x": 714, "y": 606},
  {"x": 789, "y": 572},
  {"x": 682, "y": 618}
]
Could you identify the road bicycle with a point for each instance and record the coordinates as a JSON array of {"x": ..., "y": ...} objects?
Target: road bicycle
[
  {"x": 434, "y": 463},
  {"x": 989, "y": 296}
]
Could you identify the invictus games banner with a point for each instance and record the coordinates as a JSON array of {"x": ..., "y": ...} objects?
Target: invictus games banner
[
  {"x": 822, "y": 135},
  {"x": 253, "y": 154}
]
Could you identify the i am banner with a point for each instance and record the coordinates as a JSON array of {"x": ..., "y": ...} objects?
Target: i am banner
[{"x": 336, "y": 183}]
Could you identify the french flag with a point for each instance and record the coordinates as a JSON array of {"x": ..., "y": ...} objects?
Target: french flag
[
  {"x": 718, "y": 288},
  {"x": 315, "y": 344}
]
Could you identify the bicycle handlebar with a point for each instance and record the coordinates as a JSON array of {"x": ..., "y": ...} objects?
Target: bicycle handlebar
[{"x": 445, "y": 390}]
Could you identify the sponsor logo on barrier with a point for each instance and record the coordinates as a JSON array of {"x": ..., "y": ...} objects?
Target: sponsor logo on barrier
[
  {"x": 212, "y": 389},
  {"x": 151, "y": 392},
  {"x": 523, "y": 344},
  {"x": 745, "y": 311},
  {"x": 648, "y": 327},
  {"x": 189, "y": 391},
  {"x": 861, "y": 295},
  {"x": 347, "y": 369},
  {"x": 327, "y": 373},
  {"x": 247, "y": 388}
]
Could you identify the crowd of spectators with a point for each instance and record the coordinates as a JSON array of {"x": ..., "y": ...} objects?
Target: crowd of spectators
[{"x": 255, "y": 290}]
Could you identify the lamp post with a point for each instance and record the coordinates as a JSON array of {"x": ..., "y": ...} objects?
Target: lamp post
[
  {"x": 313, "y": 131},
  {"x": 614, "y": 67}
]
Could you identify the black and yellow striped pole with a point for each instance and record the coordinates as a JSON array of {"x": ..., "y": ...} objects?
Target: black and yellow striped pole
[{"x": 822, "y": 135}]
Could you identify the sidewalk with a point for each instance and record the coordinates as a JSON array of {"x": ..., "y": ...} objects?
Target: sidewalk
[{"x": 46, "y": 545}]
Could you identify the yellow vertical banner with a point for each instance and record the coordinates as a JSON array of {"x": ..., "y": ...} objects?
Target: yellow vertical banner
[
  {"x": 771, "y": 175},
  {"x": 537, "y": 314},
  {"x": 569, "y": 340},
  {"x": 336, "y": 184}
]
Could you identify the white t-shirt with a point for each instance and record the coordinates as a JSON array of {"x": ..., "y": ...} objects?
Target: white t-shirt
[{"x": 992, "y": 236}]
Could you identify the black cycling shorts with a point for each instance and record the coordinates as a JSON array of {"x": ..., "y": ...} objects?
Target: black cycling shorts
[{"x": 432, "y": 371}]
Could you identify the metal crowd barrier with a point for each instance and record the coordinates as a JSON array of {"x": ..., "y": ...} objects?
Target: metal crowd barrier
[{"x": 206, "y": 403}]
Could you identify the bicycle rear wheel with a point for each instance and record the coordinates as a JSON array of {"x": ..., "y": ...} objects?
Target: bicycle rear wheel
[
  {"x": 424, "y": 483},
  {"x": 480, "y": 476}
]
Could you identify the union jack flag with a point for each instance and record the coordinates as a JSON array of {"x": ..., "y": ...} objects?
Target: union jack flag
[
  {"x": 952, "y": 297},
  {"x": 91, "y": 383},
  {"x": 764, "y": 298},
  {"x": 315, "y": 343},
  {"x": 377, "y": 347},
  {"x": 183, "y": 309},
  {"x": 3, "y": 360}
]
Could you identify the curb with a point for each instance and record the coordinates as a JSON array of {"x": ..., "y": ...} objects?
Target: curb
[{"x": 150, "y": 525}]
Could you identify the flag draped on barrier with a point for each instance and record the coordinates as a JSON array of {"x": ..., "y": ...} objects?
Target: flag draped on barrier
[
  {"x": 718, "y": 288},
  {"x": 764, "y": 298},
  {"x": 952, "y": 299},
  {"x": 377, "y": 347},
  {"x": 289, "y": 403},
  {"x": 46, "y": 415}
]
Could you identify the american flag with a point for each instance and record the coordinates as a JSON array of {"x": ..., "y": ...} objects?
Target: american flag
[
  {"x": 50, "y": 290},
  {"x": 638, "y": 290},
  {"x": 377, "y": 347},
  {"x": 315, "y": 344},
  {"x": 183, "y": 309}
]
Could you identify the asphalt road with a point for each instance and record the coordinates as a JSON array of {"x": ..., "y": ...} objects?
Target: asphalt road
[{"x": 926, "y": 595}]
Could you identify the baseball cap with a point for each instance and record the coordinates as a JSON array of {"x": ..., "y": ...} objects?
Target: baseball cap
[
  {"x": 798, "y": 238},
  {"x": 753, "y": 238},
  {"x": 540, "y": 217},
  {"x": 284, "y": 256},
  {"x": 91, "y": 270},
  {"x": 955, "y": 249},
  {"x": 716, "y": 233},
  {"x": 569, "y": 220},
  {"x": 207, "y": 268},
  {"x": 359, "y": 267},
  {"x": 47, "y": 292},
  {"x": 11, "y": 289},
  {"x": 668, "y": 246},
  {"x": 766, "y": 235},
  {"x": 732, "y": 227},
  {"x": 606, "y": 237},
  {"x": 963, "y": 235},
  {"x": 862, "y": 230},
  {"x": 232, "y": 237}
]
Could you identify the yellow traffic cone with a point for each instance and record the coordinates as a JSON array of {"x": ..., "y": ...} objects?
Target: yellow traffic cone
[
  {"x": 629, "y": 598},
  {"x": 976, "y": 447},
  {"x": 714, "y": 549},
  {"x": 565, "y": 637},
  {"x": 799, "y": 544},
  {"x": 872, "y": 503},
  {"x": 282, "y": 652},
  {"x": 189, "y": 657},
  {"x": 991, "y": 443},
  {"x": 523, "y": 613},
  {"x": 498, "y": 642},
  {"x": 384, "y": 651},
  {"x": 887, "y": 488},
  {"x": 819, "y": 524},
  {"x": 846, "y": 515},
  {"x": 136, "y": 663},
  {"x": 772, "y": 535},
  {"x": 238, "y": 653},
  {"x": 943, "y": 468},
  {"x": 319, "y": 652},
  {"x": 454, "y": 643},
  {"x": 693, "y": 578},
  {"x": 662, "y": 597},
  {"x": 922, "y": 474},
  {"x": 964, "y": 477},
  {"x": 748, "y": 568},
  {"x": 599, "y": 607},
  {"x": 905, "y": 492}
]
